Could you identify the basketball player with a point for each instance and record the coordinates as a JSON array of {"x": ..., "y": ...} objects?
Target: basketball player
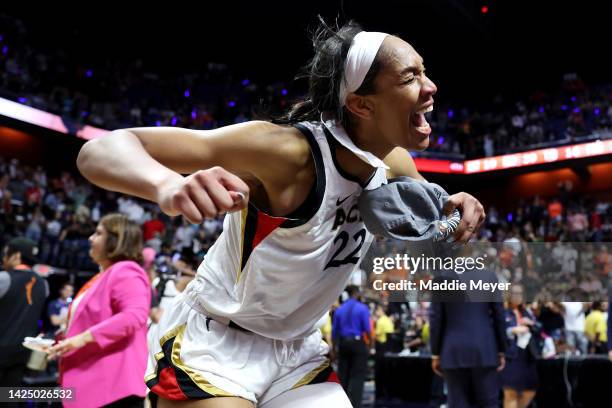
[{"x": 242, "y": 334}]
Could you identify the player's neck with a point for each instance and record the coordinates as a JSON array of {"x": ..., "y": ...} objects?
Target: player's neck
[
  {"x": 367, "y": 137},
  {"x": 352, "y": 164}
]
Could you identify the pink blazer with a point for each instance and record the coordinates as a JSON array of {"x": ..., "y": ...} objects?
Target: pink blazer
[{"x": 115, "y": 308}]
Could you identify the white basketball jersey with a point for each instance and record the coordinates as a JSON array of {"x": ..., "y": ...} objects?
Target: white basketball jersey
[{"x": 276, "y": 276}]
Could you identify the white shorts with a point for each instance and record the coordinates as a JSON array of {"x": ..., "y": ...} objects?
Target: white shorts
[{"x": 193, "y": 357}]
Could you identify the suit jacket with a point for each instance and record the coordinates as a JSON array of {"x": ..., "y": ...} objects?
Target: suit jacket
[
  {"x": 115, "y": 309},
  {"x": 463, "y": 332}
]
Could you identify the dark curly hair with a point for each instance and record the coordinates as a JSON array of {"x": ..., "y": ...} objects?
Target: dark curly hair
[{"x": 324, "y": 73}]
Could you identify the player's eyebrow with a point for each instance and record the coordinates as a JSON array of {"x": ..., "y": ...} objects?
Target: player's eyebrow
[{"x": 413, "y": 69}]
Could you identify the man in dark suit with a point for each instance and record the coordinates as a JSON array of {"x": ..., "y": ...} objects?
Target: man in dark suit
[{"x": 467, "y": 335}]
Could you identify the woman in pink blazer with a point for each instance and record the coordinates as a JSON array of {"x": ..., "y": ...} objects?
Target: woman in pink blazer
[{"x": 104, "y": 355}]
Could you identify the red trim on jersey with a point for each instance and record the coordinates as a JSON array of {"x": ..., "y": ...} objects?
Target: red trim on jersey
[
  {"x": 333, "y": 377},
  {"x": 265, "y": 225},
  {"x": 168, "y": 387}
]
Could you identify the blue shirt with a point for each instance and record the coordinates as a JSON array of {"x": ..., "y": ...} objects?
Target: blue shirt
[
  {"x": 351, "y": 319},
  {"x": 55, "y": 308}
]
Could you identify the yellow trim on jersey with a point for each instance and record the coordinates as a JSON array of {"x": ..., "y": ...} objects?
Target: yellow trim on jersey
[
  {"x": 178, "y": 333},
  {"x": 172, "y": 333},
  {"x": 311, "y": 375},
  {"x": 194, "y": 375},
  {"x": 243, "y": 221},
  {"x": 159, "y": 356}
]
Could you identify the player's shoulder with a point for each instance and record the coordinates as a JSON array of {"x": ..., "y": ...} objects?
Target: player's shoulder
[{"x": 285, "y": 141}]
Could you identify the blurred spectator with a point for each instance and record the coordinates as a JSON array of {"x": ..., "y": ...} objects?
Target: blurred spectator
[
  {"x": 22, "y": 299},
  {"x": 549, "y": 315},
  {"x": 184, "y": 235},
  {"x": 573, "y": 315},
  {"x": 57, "y": 310},
  {"x": 578, "y": 225},
  {"x": 148, "y": 264},
  {"x": 555, "y": 208},
  {"x": 591, "y": 285},
  {"x": 383, "y": 327},
  {"x": 152, "y": 226},
  {"x": 50, "y": 240},
  {"x": 603, "y": 262},
  {"x": 595, "y": 328},
  {"x": 520, "y": 377}
]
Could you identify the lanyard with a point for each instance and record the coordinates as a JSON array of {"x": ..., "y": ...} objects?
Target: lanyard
[{"x": 80, "y": 293}]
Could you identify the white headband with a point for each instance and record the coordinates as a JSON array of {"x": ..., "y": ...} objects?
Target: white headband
[{"x": 359, "y": 59}]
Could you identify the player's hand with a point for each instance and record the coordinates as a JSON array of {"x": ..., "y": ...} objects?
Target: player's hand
[
  {"x": 435, "y": 366},
  {"x": 204, "y": 194},
  {"x": 472, "y": 215},
  {"x": 502, "y": 362}
]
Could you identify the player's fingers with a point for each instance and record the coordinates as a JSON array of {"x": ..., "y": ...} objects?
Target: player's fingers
[
  {"x": 185, "y": 206},
  {"x": 202, "y": 200},
  {"x": 466, "y": 227},
  {"x": 240, "y": 201},
  {"x": 219, "y": 196},
  {"x": 481, "y": 214},
  {"x": 453, "y": 202},
  {"x": 232, "y": 182},
  {"x": 469, "y": 220}
]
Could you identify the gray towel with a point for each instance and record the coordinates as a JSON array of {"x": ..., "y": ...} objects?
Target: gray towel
[{"x": 408, "y": 210}]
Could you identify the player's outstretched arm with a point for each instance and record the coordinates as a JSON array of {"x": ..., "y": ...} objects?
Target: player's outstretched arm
[{"x": 150, "y": 163}]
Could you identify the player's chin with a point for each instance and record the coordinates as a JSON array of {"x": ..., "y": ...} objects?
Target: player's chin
[{"x": 419, "y": 139}]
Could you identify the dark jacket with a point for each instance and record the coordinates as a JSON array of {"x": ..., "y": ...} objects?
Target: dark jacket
[{"x": 466, "y": 333}]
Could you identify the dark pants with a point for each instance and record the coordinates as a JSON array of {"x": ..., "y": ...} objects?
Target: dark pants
[
  {"x": 13, "y": 361},
  {"x": 132, "y": 401},
  {"x": 352, "y": 368},
  {"x": 381, "y": 349},
  {"x": 472, "y": 387},
  {"x": 11, "y": 375}
]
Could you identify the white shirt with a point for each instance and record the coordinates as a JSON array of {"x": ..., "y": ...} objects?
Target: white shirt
[{"x": 574, "y": 316}]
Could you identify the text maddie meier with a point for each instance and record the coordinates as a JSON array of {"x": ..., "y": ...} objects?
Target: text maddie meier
[{"x": 447, "y": 285}]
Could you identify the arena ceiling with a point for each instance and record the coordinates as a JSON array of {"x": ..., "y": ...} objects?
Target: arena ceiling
[{"x": 516, "y": 46}]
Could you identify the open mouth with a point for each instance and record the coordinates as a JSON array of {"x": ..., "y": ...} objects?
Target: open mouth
[{"x": 419, "y": 121}]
